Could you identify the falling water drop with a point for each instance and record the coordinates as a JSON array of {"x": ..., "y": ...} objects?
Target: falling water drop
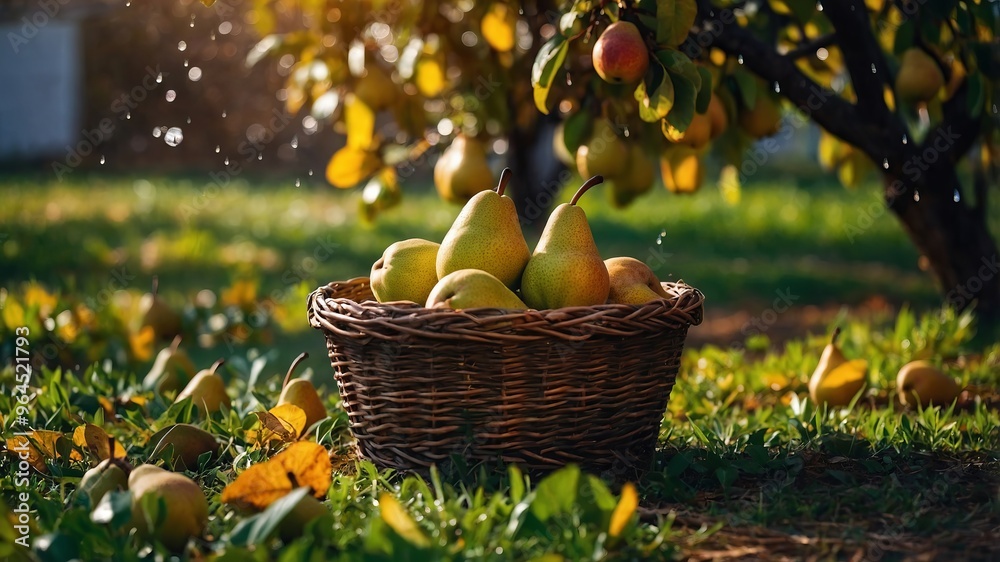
[
  {"x": 260, "y": 156},
  {"x": 626, "y": 132},
  {"x": 223, "y": 113},
  {"x": 739, "y": 59},
  {"x": 226, "y": 161},
  {"x": 128, "y": 115},
  {"x": 128, "y": 3},
  {"x": 310, "y": 172},
  {"x": 294, "y": 142},
  {"x": 188, "y": 120},
  {"x": 569, "y": 79},
  {"x": 159, "y": 78},
  {"x": 103, "y": 160},
  {"x": 659, "y": 238},
  {"x": 777, "y": 88},
  {"x": 173, "y": 136},
  {"x": 819, "y": 6},
  {"x": 182, "y": 46},
  {"x": 873, "y": 69},
  {"x": 885, "y": 163},
  {"x": 994, "y": 108},
  {"x": 218, "y": 149},
  {"x": 186, "y": 63},
  {"x": 213, "y": 35},
  {"x": 905, "y": 140},
  {"x": 157, "y": 131},
  {"x": 916, "y": 195},
  {"x": 956, "y": 197},
  {"x": 192, "y": 20},
  {"x": 298, "y": 182}
]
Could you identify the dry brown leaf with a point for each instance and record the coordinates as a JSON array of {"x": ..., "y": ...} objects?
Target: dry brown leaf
[
  {"x": 39, "y": 445},
  {"x": 94, "y": 439},
  {"x": 291, "y": 416},
  {"x": 302, "y": 464},
  {"x": 282, "y": 423}
]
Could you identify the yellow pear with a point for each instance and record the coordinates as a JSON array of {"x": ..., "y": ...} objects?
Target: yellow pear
[
  {"x": 109, "y": 475},
  {"x": 699, "y": 132},
  {"x": 375, "y": 88},
  {"x": 206, "y": 390},
  {"x": 156, "y": 313},
  {"x": 559, "y": 147},
  {"x": 717, "y": 117},
  {"x": 171, "y": 368},
  {"x": 186, "y": 506},
  {"x": 958, "y": 75},
  {"x": 185, "y": 443},
  {"x": 682, "y": 169},
  {"x": 302, "y": 393},
  {"x": 919, "y": 77},
  {"x": 498, "y": 26},
  {"x": 836, "y": 380},
  {"x": 486, "y": 235},
  {"x": 763, "y": 119},
  {"x": 407, "y": 271},
  {"x": 920, "y": 383},
  {"x": 637, "y": 179},
  {"x": 462, "y": 170},
  {"x": 566, "y": 269},
  {"x": 473, "y": 288},
  {"x": 632, "y": 282},
  {"x": 604, "y": 154}
]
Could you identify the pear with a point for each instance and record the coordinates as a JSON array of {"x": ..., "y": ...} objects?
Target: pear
[
  {"x": 171, "y": 367},
  {"x": 637, "y": 179},
  {"x": 473, "y": 288},
  {"x": 717, "y": 117},
  {"x": 407, "y": 271},
  {"x": 109, "y": 475},
  {"x": 763, "y": 119},
  {"x": 559, "y": 148},
  {"x": 187, "y": 443},
  {"x": 156, "y": 313},
  {"x": 462, "y": 170},
  {"x": 186, "y": 506},
  {"x": 375, "y": 89},
  {"x": 836, "y": 380},
  {"x": 699, "y": 132},
  {"x": 294, "y": 522},
  {"x": 682, "y": 169},
  {"x": 620, "y": 55},
  {"x": 302, "y": 393},
  {"x": 566, "y": 269},
  {"x": 207, "y": 390},
  {"x": 633, "y": 282},
  {"x": 604, "y": 154},
  {"x": 920, "y": 383},
  {"x": 486, "y": 235},
  {"x": 919, "y": 77}
]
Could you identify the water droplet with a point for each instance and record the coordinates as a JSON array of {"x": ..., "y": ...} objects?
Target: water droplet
[
  {"x": 819, "y": 6},
  {"x": 223, "y": 113},
  {"x": 957, "y": 196},
  {"x": 171, "y": 95},
  {"x": 294, "y": 142},
  {"x": 916, "y": 195},
  {"x": 192, "y": 20},
  {"x": 659, "y": 238},
  {"x": 777, "y": 88},
  {"x": 873, "y": 69},
  {"x": 128, "y": 3},
  {"x": 310, "y": 172},
  {"x": 626, "y": 132},
  {"x": 182, "y": 46},
  {"x": 186, "y": 63},
  {"x": 218, "y": 149},
  {"x": 298, "y": 182},
  {"x": 905, "y": 140},
  {"x": 885, "y": 163},
  {"x": 739, "y": 59},
  {"x": 159, "y": 78},
  {"x": 103, "y": 160},
  {"x": 213, "y": 35},
  {"x": 128, "y": 115},
  {"x": 226, "y": 161},
  {"x": 173, "y": 136},
  {"x": 569, "y": 79},
  {"x": 188, "y": 120},
  {"x": 994, "y": 108},
  {"x": 194, "y": 74},
  {"x": 260, "y": 156},
  {"x": 157, "y": 131}
]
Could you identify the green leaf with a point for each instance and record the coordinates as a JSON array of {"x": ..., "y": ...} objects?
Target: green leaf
[
  {"x": 685, "y": 94},
  {"x": 679, "y": 63},
  {"x": 704, "y": 90},
  {"x": 976, "y": 95},
  {"x": 556, "y": 493},
  {"x": 747, "y": 85},
  {"x": 674, "y": 18},
  {"x": 655, "y": 106},
  {"x": 575, "y": 131},
  {"x": 904, "y": 36},
  {"x": 802, "y": 10},
  {"x": 258, "y": 528},
  {"x": 115, "y": 508},
  {"x": 516, "y": 483},
  {"x": 547, "y": 63}
]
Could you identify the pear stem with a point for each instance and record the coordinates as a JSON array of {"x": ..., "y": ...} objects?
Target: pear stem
[
  {"x": 291, "y": 368},
  {"x": 111, "y": 449},
  {"x": 215, "y": 366},
  {"x": 175, "y": 344},
  {"x": 583, "y": 188},
  {"x": 504, "y": 179},
  {"x": 156, "y": 285},
  {"x": 836, "y": 334}
]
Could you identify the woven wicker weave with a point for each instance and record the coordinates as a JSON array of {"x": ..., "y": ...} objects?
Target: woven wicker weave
[{"x": 585, "y": 385}]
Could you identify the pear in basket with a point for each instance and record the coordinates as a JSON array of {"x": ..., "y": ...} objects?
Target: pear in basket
[
  {"x": 632, "y": 282},
  {"x": 406, "y": 271},
  {"x": 472, "y": 288},
  {"x": 566, "y": 269},
  {"x": 487, "y": 236}
]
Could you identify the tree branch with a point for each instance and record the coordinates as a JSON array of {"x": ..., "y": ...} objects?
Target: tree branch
[
  {"x": 810, "y": 47},
  {"x": 861, "y": 53}
]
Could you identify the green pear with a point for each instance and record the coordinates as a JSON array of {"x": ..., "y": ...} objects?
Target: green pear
[
  {"x": 919, "y": 382},
  {"x": 604, "y": 154},
  {"x": 472, "y": 288},
  {"x": 207, "y": 390},
  {"x": 171, "y": 368},
  {"x": 637, "y": 179},
  {"x": 109, "y": 475},
  {"x": 186, "y": 442},
  {"x": 566, "y": 269},
  {"x": 186, "y": 506},
  {"x": 407, "y": 271},
  {"x": 633, "y": 282},
  {"x": 294, "y": 522},
  {"x": 302, "y": 393},
  {"x": 836, "y": 380},
  {"x": 486, "y": 235},
  {"x": 919, "y": 78},
  {"x": 462, "y": 170},
  {"x": 155, "y": 312}
]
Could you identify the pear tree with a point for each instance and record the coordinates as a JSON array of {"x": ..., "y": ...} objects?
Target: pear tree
[{"x": 903, "y": 90}]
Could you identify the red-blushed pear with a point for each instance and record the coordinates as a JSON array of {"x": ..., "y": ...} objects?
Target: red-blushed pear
[
  {"x": 620, "y": 54},
  {"x": 302, "y": 393},
  {"x": 566, "y": 268},
  {"x": 633, "y": 282}
]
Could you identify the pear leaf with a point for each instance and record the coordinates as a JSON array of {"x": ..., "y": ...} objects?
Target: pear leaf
[
  {"x": 396, "y": 517},
  {"x": 258, "y": 528},
  {"x": 747, "y": 85},
  {"x": 543, "y": 73},
  {"x": 656, "y": 99},
  {"x": 575, "y": 131},
  {"x": 622, "y": 514},
  {"x": 704, "y": 90},
  {"x": 685, "y": 94},
  {"x": 360, "y": 122},
  {"x": 674, "y": 20},
  {"x": 677, "y": 62},
  {"x": 350, "y": 165}
]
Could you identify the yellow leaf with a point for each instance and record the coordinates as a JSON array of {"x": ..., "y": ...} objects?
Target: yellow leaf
[
  {"x": 13, "y": 314},
  {"x": 302, "y": 464},
  {"x": 349, "y": 166},
  {"x": 141, "y": 343},
  {"x": 282, "y": 423},
  {"x": 291, "y": 416},
  {"x": 94, "y": 439},
  {"x": 430, "y": 77},
  {"x": 396, "y": 517},
  {"x": 498, "y": 27},
  {"x": 37, "y": 446},
  {"x": 360, "y": 122},
  {"x": 624, "y": 510},
  {"x": 242, "y": 294},
  {"x": 36, "y": 295}
]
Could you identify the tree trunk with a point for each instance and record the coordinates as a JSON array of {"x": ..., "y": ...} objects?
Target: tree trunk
[
  {"x": 953, "y": 236},
  {"x": 537, "y": 175}
]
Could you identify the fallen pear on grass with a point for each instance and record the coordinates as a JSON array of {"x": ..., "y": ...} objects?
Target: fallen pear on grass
[
  {"x": 157, "y": 314},
  {"x": 633, "y": 282},
  {"x": 920, "y": 383},
  {"x": 171, "y": 368},
  {"x": 206, "y": 390},
  {"x": 836, "y": 380},
  {"x": 294, "y": 523},
  {"x": 302, "y": 393},
  {"x": 109, "y": 475},
  {"x": 186, "y": 444},
  {"x": 186, "y": 507},
  {"x": 407, "y": 271}
]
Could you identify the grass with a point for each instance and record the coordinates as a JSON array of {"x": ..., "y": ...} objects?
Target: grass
[{"x": 747, "y": 466}]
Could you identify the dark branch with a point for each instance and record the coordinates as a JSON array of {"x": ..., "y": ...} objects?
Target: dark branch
[
  {"x": 861, "y": 52},
  {"x": 810, "y": 47}
]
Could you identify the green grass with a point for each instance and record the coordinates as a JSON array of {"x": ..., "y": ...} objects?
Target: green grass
[{"x": 747, "y": 466}]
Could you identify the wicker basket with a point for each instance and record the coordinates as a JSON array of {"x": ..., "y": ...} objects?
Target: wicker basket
[{"x": 585, "y": 385}]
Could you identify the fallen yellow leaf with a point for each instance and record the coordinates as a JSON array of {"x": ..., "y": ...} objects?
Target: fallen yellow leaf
[
  {"x": 624, "y": 510},
  {"x": 396, "y": 517},
  {"x": 94, "y": 439},
  {"x": 37, "y": 446},
  {"x": 141, "y": 343},
  {"x": 302, "y": 464}
]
